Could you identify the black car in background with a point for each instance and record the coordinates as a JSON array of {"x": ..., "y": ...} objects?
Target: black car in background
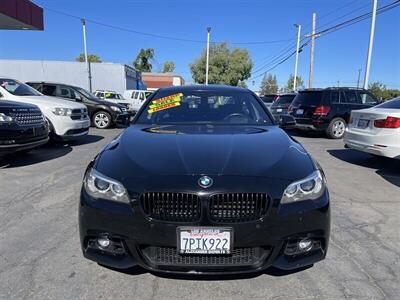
[
  {"x": 22, "y": 127},
  {"x": 269, "y": 99},
  {"x": 281, "y": 105},
  {"x": 203, "y": 183},
  {"x": 329, "y": 109},
  {"x": 102, "y": 113}
]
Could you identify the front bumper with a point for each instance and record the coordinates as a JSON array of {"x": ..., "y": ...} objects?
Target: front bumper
[
  {"x": 15, "y": 137},
  {"x": 139, "y": 235},
  {"x": 123, "y": 119},
  {"x": 67, "y": 129}
]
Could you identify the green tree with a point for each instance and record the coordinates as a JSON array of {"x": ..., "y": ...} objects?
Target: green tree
[
  {"x": 226, "y": 65},
  {"x": 289, "y": 85},
  {"x": 169, "y": 66},
  {"x": 269, "y": 85},
  {"x": 91, "y": 58},
  {"x": 143, "y": 60},
  {"x": 378, "y": 89}
]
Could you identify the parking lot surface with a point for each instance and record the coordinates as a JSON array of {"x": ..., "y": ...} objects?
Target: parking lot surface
[{"x": 40, "y": 255}]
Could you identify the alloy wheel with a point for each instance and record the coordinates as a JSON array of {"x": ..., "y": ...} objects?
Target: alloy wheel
[{"x": 101, "y": 120}]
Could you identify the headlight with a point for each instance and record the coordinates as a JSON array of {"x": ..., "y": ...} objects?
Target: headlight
[
  {"x": 115, "y": 108},
  {"x": 5, "y": 118},
  {"x": 309, "y": 188},
  {"x": 98, "y": 185},
  {"x": 59, "y": 111}
]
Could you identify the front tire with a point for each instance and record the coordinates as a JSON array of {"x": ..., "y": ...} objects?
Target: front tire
[
  {"x": 102, "y": 119},
  {"x": 336, "y": 128}
]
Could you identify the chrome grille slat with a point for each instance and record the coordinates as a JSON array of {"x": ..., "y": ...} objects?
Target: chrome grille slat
[{"x": 28, "y": 118}]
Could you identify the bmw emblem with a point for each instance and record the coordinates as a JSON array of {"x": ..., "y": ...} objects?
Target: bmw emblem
[{"x": 205, "y": 182}]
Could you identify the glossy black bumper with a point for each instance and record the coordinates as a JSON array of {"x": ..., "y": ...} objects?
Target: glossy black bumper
[
  {"x": 15, "y": 138},
  {"x": 127, "y": 223},
  {"x": 122, "y": 119}
]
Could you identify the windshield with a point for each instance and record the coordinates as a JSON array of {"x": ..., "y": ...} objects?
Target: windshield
[
  {"x": 308, "y": 98},
  {"x": 204, "y": 107},
  {"x": 86, "y": 93},
  {"x": 113, "y": 96},
  {"x": 394, "y": 103},
  {"x": 284, "y": 100},
  {"x": 268, "y": 98},
  {"x": 18, "y": 88}
]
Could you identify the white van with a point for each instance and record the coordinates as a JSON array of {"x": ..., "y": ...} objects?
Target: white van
[
  {"x": 137, "y": 97},
  {"x": 68, "y": 120}
]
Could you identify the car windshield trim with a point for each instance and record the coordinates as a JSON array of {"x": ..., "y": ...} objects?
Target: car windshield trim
[
  {"x": 204, "y": 107},
  {"x": 21, "y": 89}
]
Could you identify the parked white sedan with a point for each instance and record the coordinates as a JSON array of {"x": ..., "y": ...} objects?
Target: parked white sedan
[{"x": 376, "y": 130}]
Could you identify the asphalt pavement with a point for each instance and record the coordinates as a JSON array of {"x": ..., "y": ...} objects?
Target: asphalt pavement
[{"x": 40, "y": 255}]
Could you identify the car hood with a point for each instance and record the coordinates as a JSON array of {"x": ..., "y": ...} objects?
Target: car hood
[
  {"x": 50, "y": 102},
  {"x": 143, "y": 151}
]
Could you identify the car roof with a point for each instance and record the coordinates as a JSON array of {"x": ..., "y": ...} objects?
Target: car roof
[
  {"x": 55, "y": 83},
  {"x": 203, "y": 87},
  {"x": 331, "y": 88}
]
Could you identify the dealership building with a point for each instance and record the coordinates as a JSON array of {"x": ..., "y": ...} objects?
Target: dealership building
[{"x": 105, "y": 76}]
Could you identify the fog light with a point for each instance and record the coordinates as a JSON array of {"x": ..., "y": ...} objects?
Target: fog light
[
  {"x": 103, "y": 242},
  {"x": 305, "y": 245}
]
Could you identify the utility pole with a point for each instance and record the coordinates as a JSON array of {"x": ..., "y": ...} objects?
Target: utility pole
[
  {"x": 208, "y": 52},
  {"x": 311, "y": 75},
  {"x": 371, "y": 43},
  {"x": 297, "y": 55},
  {"x": 86, "y": 54},
  {"x": 359, "y": 76}
]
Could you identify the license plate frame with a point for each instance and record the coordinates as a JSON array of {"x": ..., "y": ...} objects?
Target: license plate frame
[
  {"x": 204, "y": 230},
  {"x": 299, "y": 111},
  {"x": 362, "y": 123}
]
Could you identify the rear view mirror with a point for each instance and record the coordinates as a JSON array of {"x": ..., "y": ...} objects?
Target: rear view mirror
[{"x": 287, "y": 122}]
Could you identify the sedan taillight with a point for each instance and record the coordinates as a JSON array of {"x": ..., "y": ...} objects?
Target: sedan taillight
[
  {"x": 389, "y": 122},
  {"x": 322, "y": 110}
]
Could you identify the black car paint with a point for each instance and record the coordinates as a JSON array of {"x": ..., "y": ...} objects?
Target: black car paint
[
  {"x": 93, "y": 104},
  {"x": 278, "y": 108},
  {"x": 25, "y": 136},
  {"x": 172, "y": 158},
  {"x": 341, "y": 108}
]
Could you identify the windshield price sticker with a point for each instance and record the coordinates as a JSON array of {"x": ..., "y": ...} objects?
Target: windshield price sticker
[{"x": 165, "y": 103}]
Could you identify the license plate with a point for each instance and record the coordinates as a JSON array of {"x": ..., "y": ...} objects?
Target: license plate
[
  {"x": 204, "y": 240},
  {"x": 279, "y": 110},
  {"x": 363, "y": 123},
  {"x": 299, "y": 111}
]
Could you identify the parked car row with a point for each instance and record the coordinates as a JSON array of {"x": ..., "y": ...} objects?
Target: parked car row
[
  {"x": 352, "y": 113},
  {"x": 32, "y": 113}
]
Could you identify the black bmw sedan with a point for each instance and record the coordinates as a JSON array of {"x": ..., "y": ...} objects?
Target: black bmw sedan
[{"x": 204, "y": 182}]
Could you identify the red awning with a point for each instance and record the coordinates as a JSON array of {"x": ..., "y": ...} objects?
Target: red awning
[{"x": 20, "y": 14}]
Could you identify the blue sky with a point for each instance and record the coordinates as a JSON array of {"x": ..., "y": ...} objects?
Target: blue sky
[{"x": 338, "y": 55}]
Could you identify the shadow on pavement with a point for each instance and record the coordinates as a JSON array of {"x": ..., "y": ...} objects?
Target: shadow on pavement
[
  {"x": 309, "y": 134},
  {"x": 44, "y": 153},
  {"x": 193, "y": 277},
  {"x": 88, "y": 139},
  {"x": 388, "y": 169}
]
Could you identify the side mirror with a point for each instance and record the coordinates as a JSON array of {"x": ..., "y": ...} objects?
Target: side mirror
[
  {"x": 287, "y": 122},
  {"x": 78, "y": 98}
]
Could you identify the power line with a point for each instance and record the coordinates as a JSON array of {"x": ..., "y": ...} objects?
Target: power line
[
  {"x": 158, "y": 35},
  {"x": 339, "y": 26}
]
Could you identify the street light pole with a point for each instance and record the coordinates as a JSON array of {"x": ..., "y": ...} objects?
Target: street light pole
[
  {"x": 312, "y": 49},
  {"x": 86, "y": 54},
  {"x": 297, "y": 55},
  {"x": 208, "y": 52},
  {"x": 371, "y": 42}
]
